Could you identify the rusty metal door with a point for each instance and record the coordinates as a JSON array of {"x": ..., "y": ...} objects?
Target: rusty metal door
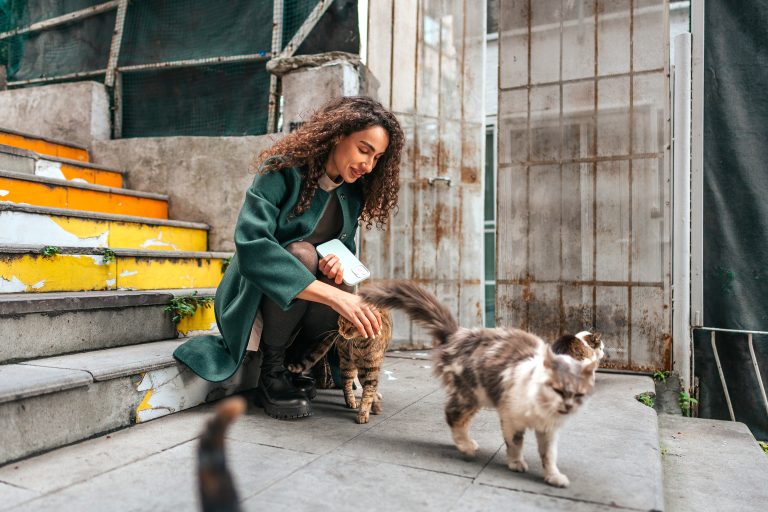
[
  {"x": 428, "y": 58},
  {"x": 584, "y": 233}
]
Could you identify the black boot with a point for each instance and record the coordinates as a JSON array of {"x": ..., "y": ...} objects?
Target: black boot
[
  {"x": 305, "y": 384},
  {"x": 276, "y": 392}
]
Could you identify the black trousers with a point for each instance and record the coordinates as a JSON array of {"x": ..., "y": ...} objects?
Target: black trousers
[{"x": 306, "y": 322}]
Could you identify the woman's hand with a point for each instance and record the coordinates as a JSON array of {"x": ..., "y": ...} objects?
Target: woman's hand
[
  {"x": 364, "y": 317},
  {"x": 331, "y": 268}
]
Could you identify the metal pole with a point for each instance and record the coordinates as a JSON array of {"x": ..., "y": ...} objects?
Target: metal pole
[
  {"x": 757, "y": 371},
  {"x": 681, "y": 228},
  {"x": 722, "y": 376},
  {"x": 60, "y": 20},
  {"x": 306, "y": 28},
  {"x": 277, "y": 44},
  {"x": 697, "y": 163},
  {"x": 117, "y": 40}
]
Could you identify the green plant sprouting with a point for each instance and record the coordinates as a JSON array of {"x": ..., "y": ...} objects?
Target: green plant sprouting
[
  {"x": 182, "y": 307},
  {"x": 109, "y": 256},
  {"x": 648, "y": 398},
  {"x": 686, "y": 401},
  {"x": 51, "y": 250}
]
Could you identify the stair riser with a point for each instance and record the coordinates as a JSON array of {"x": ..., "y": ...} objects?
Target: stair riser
[
  {"x": 72, "y": 272},
  {"x": 62, "y": 196},
  {"x": 43, "y": 147},
  {"x": 42, "y": 423},
  {"x": 46, "y": 334},
  {"x": 39, "y": 229},
  {"x": 60, "y": 170}
]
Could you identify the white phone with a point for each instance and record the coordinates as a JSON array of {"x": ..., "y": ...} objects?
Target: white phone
[{"x": 354, "y": 270}]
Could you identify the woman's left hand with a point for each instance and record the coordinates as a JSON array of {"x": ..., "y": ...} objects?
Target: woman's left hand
[{"x": 331, "y": 268}]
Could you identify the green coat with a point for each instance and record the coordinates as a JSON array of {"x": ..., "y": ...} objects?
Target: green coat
[{"x": 261, "y": 265}]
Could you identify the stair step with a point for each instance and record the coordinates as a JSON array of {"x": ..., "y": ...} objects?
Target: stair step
[
  {"x": 39, "y": 191},
  {"x": 39, "y": 225},
  {"x": 29, "y": 162},
  {"x": 26, "y": 269},
  {"x": 52, "y": 324},
  {"x": 712, "y": 465},
  {"x": 48, "y": 403},
  {"x": 43, "y": 145}
]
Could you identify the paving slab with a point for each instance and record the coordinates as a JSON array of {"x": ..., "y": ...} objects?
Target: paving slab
[
  {"x": 712, "y": 465},
  {"x": 12, "y": 496},
  {"x": 167, "y": 480},
  {"x": 337, "y": 482},
  {"x": 609, "y": 450},
  {"x": 332, "y": 424},
  {"x": 482, "y": 498},
  {"x": 79, "y": 462}
]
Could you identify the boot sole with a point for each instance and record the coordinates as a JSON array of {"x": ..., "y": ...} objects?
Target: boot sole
[{"x": 282, "y": 413}]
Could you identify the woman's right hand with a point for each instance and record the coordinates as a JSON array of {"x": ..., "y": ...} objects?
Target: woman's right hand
[{"x": 366, "y": 318}]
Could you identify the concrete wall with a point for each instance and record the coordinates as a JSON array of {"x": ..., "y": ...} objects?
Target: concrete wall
[
  {"x": 205, "y": 177},
  {"x": 76, "y": 112}
]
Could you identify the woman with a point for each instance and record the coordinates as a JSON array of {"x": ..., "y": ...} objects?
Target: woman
[{"x": 317, "y": 183}]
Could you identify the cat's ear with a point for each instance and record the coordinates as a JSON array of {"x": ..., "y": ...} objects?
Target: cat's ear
[{"x": 597, "y": 336}]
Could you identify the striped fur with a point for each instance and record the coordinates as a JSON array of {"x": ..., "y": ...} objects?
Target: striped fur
[{"x": 359, "y": 357}]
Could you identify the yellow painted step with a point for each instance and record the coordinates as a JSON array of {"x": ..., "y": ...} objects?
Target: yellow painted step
[
  {"x": 27, "y": 269},
  {"x": 43, "y": 145},
  {"x": 34, "y": 225},
  {"x": 34, "y": 190}
]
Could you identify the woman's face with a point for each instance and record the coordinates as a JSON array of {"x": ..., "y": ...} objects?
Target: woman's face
[{"x": 357, "y": 153}]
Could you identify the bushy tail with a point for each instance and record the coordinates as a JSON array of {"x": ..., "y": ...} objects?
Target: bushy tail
[
  {"x": 217, "y": 489},
  {"x": 421, "y": 305}
]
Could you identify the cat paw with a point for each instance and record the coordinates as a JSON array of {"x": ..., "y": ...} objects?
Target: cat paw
[
  {"x": 295, "y": 368},
  {"x": 468, "y": 449},
  {"x": 376, "y": 408},
  {"x": 557, "y": 480},
  {"x": 351, "y": 403},
  {"x": 361, "y": 418},
  {"x": 519, "y": 466}
]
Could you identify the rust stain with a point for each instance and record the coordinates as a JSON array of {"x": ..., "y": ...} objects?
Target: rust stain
[{"x": 666, "y": 353}]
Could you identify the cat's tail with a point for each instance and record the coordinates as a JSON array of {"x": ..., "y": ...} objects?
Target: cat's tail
[
  {"x": 421, "y": 305},
  {"x": 216, "y": 486}
]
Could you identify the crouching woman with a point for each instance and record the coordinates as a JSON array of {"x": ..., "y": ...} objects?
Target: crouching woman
[{"x": 338, "y": 170}]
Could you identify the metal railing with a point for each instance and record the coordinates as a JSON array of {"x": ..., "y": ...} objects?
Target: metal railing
[{"x": 713, "y": 335}]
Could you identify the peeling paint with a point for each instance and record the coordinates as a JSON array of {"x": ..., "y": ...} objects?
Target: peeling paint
[
  {"x": 176, "y": 388},
  {"x": 49, "y": 169},
  {"x": 38, "y": 284},
  {"x": 126, "y": 273},
  {"x": 158, "y": 242},
  {"x": 111, "y": 282},
  {"x": 11, "y": 286},
  {"x": 35, "y": 229},
  {"x": 4, "y": 193}
]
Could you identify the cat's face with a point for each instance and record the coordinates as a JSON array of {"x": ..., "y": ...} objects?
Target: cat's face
[
  {"x": 347, "y": 329},
  {"x": 569, "y": 382}
]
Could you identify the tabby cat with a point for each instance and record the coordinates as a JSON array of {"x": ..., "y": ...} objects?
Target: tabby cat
[
  {"x": 358, "y": 356},
  {"x": 510, "y": 370}
]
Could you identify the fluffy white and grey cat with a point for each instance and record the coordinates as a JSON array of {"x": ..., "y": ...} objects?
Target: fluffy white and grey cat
[{"x": 510, "y": 370}]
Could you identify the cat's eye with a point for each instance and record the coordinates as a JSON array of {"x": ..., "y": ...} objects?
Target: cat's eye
[
  {"x": 559, "y": 392},
  {"x": 579, "y": 395}
]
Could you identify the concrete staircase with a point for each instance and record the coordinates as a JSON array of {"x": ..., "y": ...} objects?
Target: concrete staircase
[{"x": 87, "y": 270}]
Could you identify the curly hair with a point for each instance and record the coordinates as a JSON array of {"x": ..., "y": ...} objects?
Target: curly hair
[{"x": 309, "y": 146}]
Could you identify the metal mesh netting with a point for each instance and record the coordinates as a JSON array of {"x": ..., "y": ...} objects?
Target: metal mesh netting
[
  {"x": 222, "y": 100},
  {"x": 200, "y": 98},
  {"x": 157, "y": 31}
]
